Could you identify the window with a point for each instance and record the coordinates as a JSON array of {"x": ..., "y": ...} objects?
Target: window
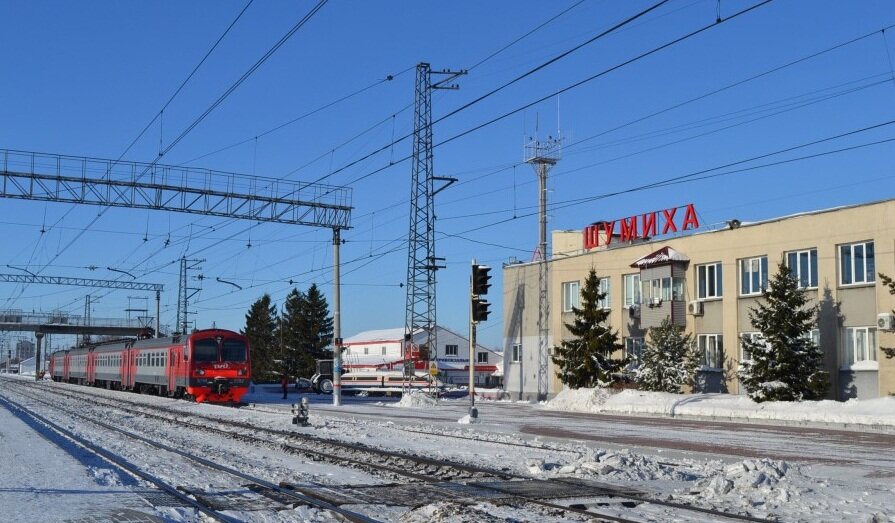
[
  {"x": 712, "y": 350},
  {"x": 803, "y": 267},
  {"x": 860, "y": 346},
  {"x": 632, "y": 289},
  {"x": 451, "y": 350},
  {"x": 234, "y": 350},
  {"x": 383, "y": 350},
  {"x": 517, "y": 352},
  {"x": 481, "y": 357},
  {"x": 570, "y": 295},
  {"x": 663, "y": 289},
  {"x": 366, "y": 351},
  {"x": 634, "y": 350},
  {"x": 605, "y": 290},
  {"x": 753, "y": 275},
  {"x": 708, "y": 279},
  {"x": 751, "y": 336},
  {"x": 857, "y": 263},
  {"x": 205, "y": 350}
]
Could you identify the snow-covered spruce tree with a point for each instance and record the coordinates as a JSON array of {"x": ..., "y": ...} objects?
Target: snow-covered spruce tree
[
  {"x": 669, "y": 359},
  {"x": 785, "y": 363},
  {"x": 888, "y": 282},
  {"x": 260, "y": 329},
  {"x": 586, "y": 359}
]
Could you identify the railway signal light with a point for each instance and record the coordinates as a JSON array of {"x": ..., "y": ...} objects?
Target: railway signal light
[
  {"x": 480, "y": 279},
  {"x": 300, "y": 413},
  {"x": 480, "y": 309}
]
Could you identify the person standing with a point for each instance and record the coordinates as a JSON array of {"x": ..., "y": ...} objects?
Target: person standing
[{"x": 284, "y": 382}]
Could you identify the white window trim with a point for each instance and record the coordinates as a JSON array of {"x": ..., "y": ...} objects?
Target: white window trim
[
  {"x": 516, "y": 353},
  {"x": 630, "y": 300},
  {"x": 812, "y": 253},
  {"x": 866, "y": 282},
  {"x": 752, "y": 335},
  {"x": 762, "y": 284},
  {"x": 478, "y": 357},
  {"x": 705, "y": 366},
  {"x": 566, "y": 298},
  {"x": 634, "y": 341},
  {"x": 451, "y": 350},
  {"x": 606, "y": 302},
  {"x": 718, "y": 281},
  {"x": 867, "y": 364}
]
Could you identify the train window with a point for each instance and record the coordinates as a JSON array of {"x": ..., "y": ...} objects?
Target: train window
[
  {"x": 205, "y": 350},
  {"x": 234, "y": 350}
]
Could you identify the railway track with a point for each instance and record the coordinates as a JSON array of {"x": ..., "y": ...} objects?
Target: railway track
[{"x": 436, "y": 475}]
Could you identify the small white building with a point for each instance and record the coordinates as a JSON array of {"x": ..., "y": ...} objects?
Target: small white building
[{"x": 382, "y": 350}]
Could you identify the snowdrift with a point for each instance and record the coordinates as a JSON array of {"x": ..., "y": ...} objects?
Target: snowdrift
[{"x": 878, "y": 411}]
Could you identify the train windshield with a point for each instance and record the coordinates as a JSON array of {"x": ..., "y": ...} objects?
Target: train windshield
[
  {"x": 233, "y": 350},
  {"x": 205, "y": 350}
]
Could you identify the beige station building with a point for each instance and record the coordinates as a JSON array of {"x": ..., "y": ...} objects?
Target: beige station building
[{"x": 664, "y": 264}]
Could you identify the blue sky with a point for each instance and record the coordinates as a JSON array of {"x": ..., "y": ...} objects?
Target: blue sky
[{"x": 85, "y": 78}]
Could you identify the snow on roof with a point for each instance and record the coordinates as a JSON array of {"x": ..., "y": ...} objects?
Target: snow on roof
[
  {"x": 396, "y": 334},
  {"x": 664, "y": 255}
]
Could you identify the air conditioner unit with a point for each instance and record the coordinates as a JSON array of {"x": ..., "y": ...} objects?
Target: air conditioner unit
[
  {"x": 655, "y": 302},
  {"x": 634, "y": 311},
  {"x": 694, "y": 308},
  {"x": 885, "y": 321}
]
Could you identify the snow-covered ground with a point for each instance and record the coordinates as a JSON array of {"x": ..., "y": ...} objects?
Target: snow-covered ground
[
  {"x": 874, "y": 412},
  {"x": 791, "y": 473}
]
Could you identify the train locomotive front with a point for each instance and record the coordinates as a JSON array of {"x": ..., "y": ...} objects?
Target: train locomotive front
[{"x": 215, "y": 366}]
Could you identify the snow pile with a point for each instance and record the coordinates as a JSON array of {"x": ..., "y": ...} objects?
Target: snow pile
[
  {"x": 467, "y": 419},
  {"x": 764, "y": 484},
  {"x": 415, "y": 399},
  {"x": 579, "y": 400},
  {"x": 878, "y": 411},
  {"x": 617, "y": 465}
]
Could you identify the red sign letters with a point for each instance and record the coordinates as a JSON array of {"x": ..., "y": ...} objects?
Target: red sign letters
[{"x": 643, "y": 226}]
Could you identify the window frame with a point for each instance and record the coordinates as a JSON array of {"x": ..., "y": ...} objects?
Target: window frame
[
  {"x": 516, "y": 353},
  {"x": 752, "y": 335},
  {"x": 762, "y": 262},
  {"x": 451, "y": 349},
  {"x": 567, "y": 287},
  {"x": 702, "y": 341},
  {"x": 702, "y": 274},
  {"x": 869, "y": 276},
  {"x": 634, "y": 345},
  {"x": 796, "y": 271},
  {"x": 605, "y": 287},
  {"x": 478, "y": 356},
  {"x": 627, "y": 280},
  {"x": 848, "y": 355}
]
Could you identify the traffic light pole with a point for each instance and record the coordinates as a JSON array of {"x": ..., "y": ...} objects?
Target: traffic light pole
[{"x": 471, "y": 345}]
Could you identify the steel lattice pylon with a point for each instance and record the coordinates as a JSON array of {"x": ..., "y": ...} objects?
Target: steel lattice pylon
[{"x": 421, "y": 260}]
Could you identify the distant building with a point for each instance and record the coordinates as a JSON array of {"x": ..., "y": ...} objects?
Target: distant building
[
  {"x": 706, "y": 281},
  {"x": 383, "y": 350}
]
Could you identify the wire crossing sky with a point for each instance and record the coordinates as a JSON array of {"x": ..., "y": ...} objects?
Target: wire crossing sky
[{"x": 782, "y": 107}]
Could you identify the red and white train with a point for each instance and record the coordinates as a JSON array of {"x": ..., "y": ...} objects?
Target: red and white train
[{"x": 210, "y": 365}]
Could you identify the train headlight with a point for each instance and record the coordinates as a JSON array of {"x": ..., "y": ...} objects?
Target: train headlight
[
  {"x": 200, "y": 372},
  {"x": 242, "y": 372}
]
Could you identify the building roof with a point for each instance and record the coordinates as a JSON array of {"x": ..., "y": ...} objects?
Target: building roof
[
  {"x": 373, "y": 336},
  {"x": 662, "y": 256}
]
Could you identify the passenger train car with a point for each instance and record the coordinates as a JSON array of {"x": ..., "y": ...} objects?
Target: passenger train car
[{"x": 207, "y": 365}]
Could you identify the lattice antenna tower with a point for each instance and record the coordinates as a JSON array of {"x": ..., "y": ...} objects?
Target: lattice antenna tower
[
  {"x": 542, "y": 155},
  {"x": 421, "y": 260},
  {"x": 185, "y": 292}
]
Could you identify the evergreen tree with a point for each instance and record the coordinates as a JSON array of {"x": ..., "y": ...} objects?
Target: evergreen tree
[
  {"x": 296, "y": 360},
  {"x": 318, "y": 324},
  {"x": 586, "y": 359},
  {"x": 888, "y": 282},
  {"x": 260, "y": 329},
  {"x": 785, "y": 363},
  {"x": 669, "y": 359}
]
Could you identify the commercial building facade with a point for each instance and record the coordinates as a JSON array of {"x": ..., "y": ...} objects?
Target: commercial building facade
[{"x": 706, "y": 282}]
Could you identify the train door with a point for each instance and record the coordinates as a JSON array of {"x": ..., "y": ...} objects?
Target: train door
[
  {"x": 66, "y": 366},
  {"x": 91, "y": 368},
  {"x": 171, "y": 370}
]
